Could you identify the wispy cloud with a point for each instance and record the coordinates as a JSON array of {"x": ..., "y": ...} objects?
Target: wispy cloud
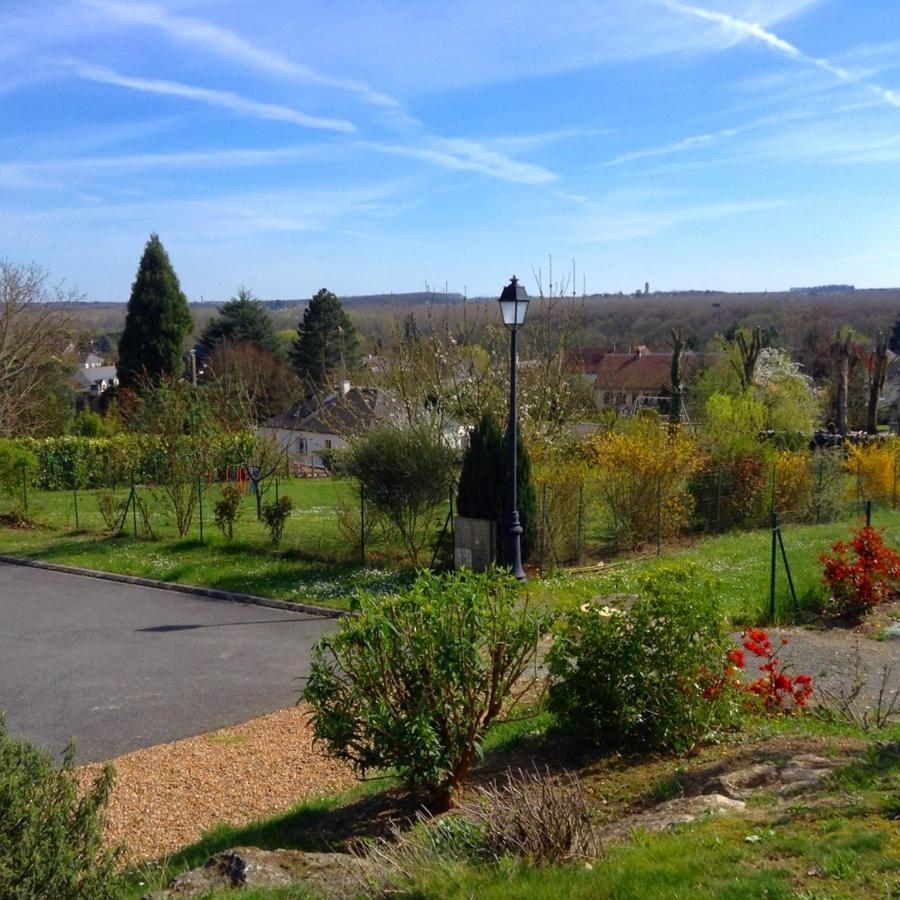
[
  {"x": 211, "y": 97},
  {"x": 225, "y": 43},
  {"x": 688, "y": 143},
  {"x": 611, "y": 225},
  {"x": 743, "y": 29},
  {"x": 48, "y": 172},
  {"x": 464, "y": 155}
]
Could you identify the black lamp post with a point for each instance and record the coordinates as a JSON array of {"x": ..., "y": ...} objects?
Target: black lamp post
[{"x": 513, "y": 307}]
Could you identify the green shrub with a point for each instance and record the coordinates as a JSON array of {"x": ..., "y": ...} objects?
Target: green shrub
[
  {"x": 406, "y": 476},
  {"x": 50, "y": 832},
  {"x": 275, "y": 516},
  {"x": 415, "y": 681},
  {"x": 17, "y": 468},
  {"x": 228, "y": 509},
  {"x": 635, "y": 675}
]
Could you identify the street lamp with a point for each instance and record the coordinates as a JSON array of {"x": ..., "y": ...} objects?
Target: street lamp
[{"x": 513, "y": 307}]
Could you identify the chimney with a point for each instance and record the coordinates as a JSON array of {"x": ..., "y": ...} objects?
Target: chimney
[{"x": 345, "y": 387}]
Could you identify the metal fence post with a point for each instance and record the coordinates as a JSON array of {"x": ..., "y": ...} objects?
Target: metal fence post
[
  {"x": 200, "y": 505},
  {"x": 362, "y": 524},
  {"x": 868, "y": 513},
  {"x": 894, "y": 486},
  {"x": 719, "y": 500},
  {"x": 133, "y": 504},
  {"x": 772, "y": 564},
  {"x": 579, "y": 546},
  {"x": 658, "y": 515},
  {"x": 75, "y": 496}
]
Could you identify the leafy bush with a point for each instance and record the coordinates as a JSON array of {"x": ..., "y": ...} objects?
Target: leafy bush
[
  {"x": 406, "y": 476},
  {"x": 50, "y": 831},
  {"x": 415, "y": 681},
  {"x": 275, "y": 516},
  {"x": 829, "y": 500},
  {"x": 227, "y": 510},
  {"x": 861, "y": 573},
  {"x": 17, "y": 467},
  {"x": 635, "y": 675}
]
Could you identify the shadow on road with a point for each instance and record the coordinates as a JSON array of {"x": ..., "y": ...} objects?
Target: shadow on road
[{"x": 162, "y": 629}]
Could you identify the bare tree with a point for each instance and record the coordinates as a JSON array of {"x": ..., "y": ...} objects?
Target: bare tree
[
  {"x": 34, "y": 345},
  {"x": 877, "y": 367},
  {"x": 749, "y": 353},
  {"x": 676, "y": 401}
]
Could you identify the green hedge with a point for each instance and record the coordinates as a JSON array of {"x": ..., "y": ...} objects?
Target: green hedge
[{"x": 94, "y": 462}]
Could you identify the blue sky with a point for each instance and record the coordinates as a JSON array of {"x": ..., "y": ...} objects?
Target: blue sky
[{"x": 374, "y": 145}]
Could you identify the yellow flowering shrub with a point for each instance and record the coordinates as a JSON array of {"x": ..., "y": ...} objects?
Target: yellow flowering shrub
[
  {"x": 875, "y": 467},
  {"x": 638, "y": 467},
  {"x": 793, "y": 483},
  {"x": 559, "y": 474}
]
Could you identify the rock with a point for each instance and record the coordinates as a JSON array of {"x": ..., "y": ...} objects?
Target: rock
[
  {"x": 740, "y": 783},
  {"x": 803, "y": 773},
  {"x": 800, "y": 773},
  {"x": 674, "y": 812},
  {"x": 331, "y": 875}
]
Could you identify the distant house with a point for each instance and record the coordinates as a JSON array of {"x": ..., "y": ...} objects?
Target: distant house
[
  {"x": 93, "y": 379},
  {"x": 313, "y": 428},
  {"x": 629, "y": 381}
]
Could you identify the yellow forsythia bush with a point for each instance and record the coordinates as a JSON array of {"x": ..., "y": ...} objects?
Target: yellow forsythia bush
[
  {"x": 793, "y": 483},
  {"x": 875, "y": 466},
  {"x": 637, "y": 466}
]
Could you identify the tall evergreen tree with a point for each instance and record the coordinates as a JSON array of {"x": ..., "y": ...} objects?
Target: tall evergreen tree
[
  {"x": 483, "y": 491},
  {"x": 242, "y": 320},
  {"x": 157, "y": 322},
  {"x": 483, "y": 468},
  {"x": 327, "y": 343}
]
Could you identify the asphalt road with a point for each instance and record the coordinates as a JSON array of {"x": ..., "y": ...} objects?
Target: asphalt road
[{"x": 119, "y": 667}]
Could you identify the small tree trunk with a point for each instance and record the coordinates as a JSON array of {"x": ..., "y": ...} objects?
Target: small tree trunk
[
  {"x": 842, "y": 350},
  {"x": 878, "y": 363},
  {"x": 676, "y": 394}
]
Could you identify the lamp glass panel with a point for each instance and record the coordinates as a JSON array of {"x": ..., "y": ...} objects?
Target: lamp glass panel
[
  {"x": 521, "y": 309},
  {"x": 508, "y": 309}
]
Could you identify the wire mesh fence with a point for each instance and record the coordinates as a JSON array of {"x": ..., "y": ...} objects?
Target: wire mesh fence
[{"x": 579, "y": 521}]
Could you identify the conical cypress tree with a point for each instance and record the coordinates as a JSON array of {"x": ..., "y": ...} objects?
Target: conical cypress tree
[
  {"x": 483, "y": 483},
  {"x": 157, "y": 322},
  {"x": 482, "y": 472}
]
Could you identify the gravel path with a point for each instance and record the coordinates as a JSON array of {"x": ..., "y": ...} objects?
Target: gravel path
[
  {"x": 832, "y": 657},
  {"x": 166, "y": 796}
]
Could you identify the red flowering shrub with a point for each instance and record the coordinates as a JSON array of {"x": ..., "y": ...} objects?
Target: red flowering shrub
[
  {"x": 775, "y": 687},
  {"x": 861, "y": 573},
  {"x": 777, "y": 690}
]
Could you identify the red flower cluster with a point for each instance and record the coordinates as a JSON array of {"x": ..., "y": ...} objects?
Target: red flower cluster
[
  {"x": 774, "y": 687},
  {"x": 861, "y": 573}
]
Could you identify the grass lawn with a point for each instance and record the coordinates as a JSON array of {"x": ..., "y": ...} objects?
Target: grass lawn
[
  {"x": 305, "y": 572},
  {"x": 841, "y": 841},
  {"x": 740, "y": 562}
]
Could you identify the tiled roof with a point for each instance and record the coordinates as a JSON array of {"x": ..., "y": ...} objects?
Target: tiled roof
[
  {"x": 335, "y": 413},
  {"x": 643, "y": 371}
]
